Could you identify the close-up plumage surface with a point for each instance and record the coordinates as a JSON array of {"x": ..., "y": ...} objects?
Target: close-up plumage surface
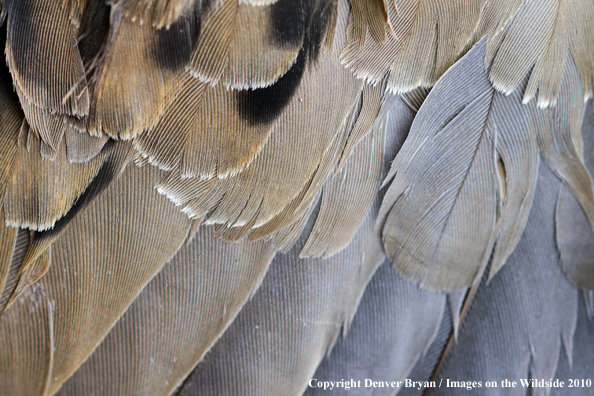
[{"x": 296, "y": 197}]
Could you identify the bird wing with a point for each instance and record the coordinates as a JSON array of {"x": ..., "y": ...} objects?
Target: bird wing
[{"x": 252, "y": 197}]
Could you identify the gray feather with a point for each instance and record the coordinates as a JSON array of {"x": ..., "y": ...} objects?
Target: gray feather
[
  {"x": 518, "y": 321},
  {"x": 575, "y": 238}
]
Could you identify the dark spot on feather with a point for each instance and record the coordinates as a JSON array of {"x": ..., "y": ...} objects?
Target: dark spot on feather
[
  {"x": 289, "y": 22},
  {"x": 203, "y": 8},
  {"x": 9, "y": 101},
  {"x": 174, "y": 46},
  {"x": 264, "y": 105},
  {"x": 296, "y": 22},
  {"x": 317, "y": 30},
  {"x": 108, "y": 172},
  {"x": 94, "y": 30},
  {"x": 23, "y": 37}
]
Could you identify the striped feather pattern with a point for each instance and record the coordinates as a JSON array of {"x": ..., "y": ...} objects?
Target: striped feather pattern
[
  {"x": 532, "y": 306},
  {"x": 278, "y": 353},
  {"x": 159, "y": 13},
  {"x": 207, "y": 278},
  {"x": 191, "y": 197},
  {"x": 538, "y": 42},
  {"x": 575, "y": 238},
  {"x": 40, "y": 32},
  {"x": 30, "y": 351},
  {"x": 92, "y": 283}
]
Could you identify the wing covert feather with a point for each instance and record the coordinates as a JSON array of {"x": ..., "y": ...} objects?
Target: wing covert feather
[
  {"x": 176, "y": 318},
  {"x": 444, "y": 193},
  {"x": 279, "y": 173},
  {"x": 101, "y": 260},
  {"x": 285, "y": 330},
  {"x": 575, "y": 238},
  {"x": 39, "y": 33},
  {"x": 519, "y": 320}
]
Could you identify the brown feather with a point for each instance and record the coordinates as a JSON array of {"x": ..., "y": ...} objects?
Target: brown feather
[
  {"x": 27, "y": 335},
  {"x": 234, "y": 35},
  {"x": 11, "y": 121},
  {"x": 158, "y": 13},
  {"x": 537, "y": 42},
  {"x": 102, "y": 259},
  {"x": 348, "y": 195},
  {"x": 176, "y": 318},
  {"x": 39, "y": 33},
  {"x": 280, "y": 172},
  {"x": 39, "y": 191},
  {"x": 8, "y": 237},
  {"x": 427, "y": 38},
  {"x": 203, "y": 134},
  {"x": 135, "y": 73}
]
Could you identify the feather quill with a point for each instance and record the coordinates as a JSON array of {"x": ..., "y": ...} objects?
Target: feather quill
[
  {"x": 446, "y": 190},
  {"x": 519, "y": 319}
]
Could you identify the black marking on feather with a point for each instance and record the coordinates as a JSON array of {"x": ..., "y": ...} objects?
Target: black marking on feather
[
  {"x": 289, "y": 22},
  {"x": 6, "y": 79},
  {"x": 94, "y": 30},
  {"x": 20, "y": 249},
  {"x": 24, "y": 39},
  {"x": 318, "y": 24},
  {"x": 174, "y": 46},
  {"x": 264, "y": 105},
  {"x": 108, "y": 172}
]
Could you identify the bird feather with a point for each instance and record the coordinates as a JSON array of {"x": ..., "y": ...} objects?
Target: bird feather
[
  {"x": 102, "y": 259},
  {"x": 207, "y": 278},
  {"x": 532, "y": 310},
  {"x": 283, "y": 342},
  {"x": 39, "y": 33},
  {"x": 575, "y": 238}
]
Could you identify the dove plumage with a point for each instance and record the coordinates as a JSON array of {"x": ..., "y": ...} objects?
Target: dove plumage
[{"x": 252, "y": 197}]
